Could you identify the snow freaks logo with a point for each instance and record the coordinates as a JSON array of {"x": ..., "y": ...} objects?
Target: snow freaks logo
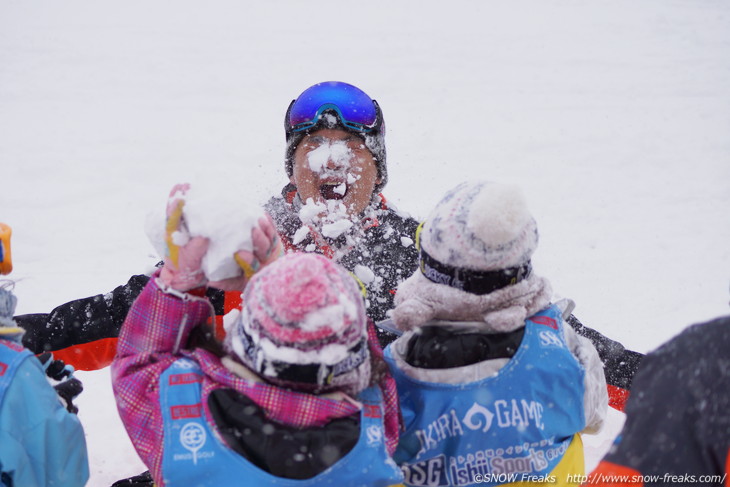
[
  {"x": 192, "y": 438},
  {"x": 509, "y": 420}
]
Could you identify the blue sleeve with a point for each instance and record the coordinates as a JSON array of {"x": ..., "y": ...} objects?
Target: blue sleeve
[{"x": 40, "y": 442}]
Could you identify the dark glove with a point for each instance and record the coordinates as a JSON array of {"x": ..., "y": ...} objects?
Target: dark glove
[
  {"x": 62, "y": 380},
  {"x": 68, "y": 390},
  {"x": 55, "y": 369},
  {"x": 142, "y": 480}
]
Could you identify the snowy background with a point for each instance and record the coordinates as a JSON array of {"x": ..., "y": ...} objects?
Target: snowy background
[{"x": 614, "y": 116}]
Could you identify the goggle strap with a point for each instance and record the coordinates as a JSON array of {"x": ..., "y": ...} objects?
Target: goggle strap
[
  {"x": 419, "y": 229},
  {"x": 468, "y": 280}
]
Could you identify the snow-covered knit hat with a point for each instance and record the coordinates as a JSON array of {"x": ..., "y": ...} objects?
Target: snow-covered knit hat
[
  {"x": 482, "y": 227},
  {"x": 303, "y": 326},
  {"x": 474, "y": 263},
  {"x": 330, "y": 119}
]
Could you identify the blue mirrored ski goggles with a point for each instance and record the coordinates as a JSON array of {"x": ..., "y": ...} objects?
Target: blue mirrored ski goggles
[{"x": 355, "y": 109}]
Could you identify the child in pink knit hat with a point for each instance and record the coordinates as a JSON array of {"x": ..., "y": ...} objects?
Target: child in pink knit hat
[
  {"x": 297, "y": 394},
  {"x": 303, "y": 326}
]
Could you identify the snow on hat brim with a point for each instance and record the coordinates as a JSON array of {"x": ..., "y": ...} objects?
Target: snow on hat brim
[{"x": 303, "y": 325}]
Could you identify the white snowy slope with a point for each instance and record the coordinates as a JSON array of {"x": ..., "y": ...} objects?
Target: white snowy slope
[{"x": 614, "y": 117}]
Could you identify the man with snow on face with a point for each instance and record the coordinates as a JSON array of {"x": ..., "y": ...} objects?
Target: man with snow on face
[
  {"x": 298, "y": 394},
  {"x": 491, "y": 379},
  {"x": 336, "y": 164}
]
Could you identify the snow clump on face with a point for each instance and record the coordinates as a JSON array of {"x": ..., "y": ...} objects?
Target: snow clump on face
[{"x": 335, "y": 150}]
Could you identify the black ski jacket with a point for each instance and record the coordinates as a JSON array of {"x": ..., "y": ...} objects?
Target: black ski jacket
[{"x": 677, "y": 429}]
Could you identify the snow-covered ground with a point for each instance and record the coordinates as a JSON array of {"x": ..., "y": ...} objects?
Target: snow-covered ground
[{"x": 614, "y": 116}]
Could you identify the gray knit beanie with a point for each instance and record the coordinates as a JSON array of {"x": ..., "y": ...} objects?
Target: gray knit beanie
[
  {"x": 8, "y": 301},
  {"x": 476, "y": 247},
  {"x": 481, "y": 226}
]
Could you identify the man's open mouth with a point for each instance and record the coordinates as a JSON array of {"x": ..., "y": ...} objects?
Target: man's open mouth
[{"x": 333, "y": 190}]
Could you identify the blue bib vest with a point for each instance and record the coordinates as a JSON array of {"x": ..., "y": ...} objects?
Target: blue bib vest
[
  {"x": 195, "y": 456},
  {"x": 11, "y": 355},
  {"x": 512, "y": 427}
]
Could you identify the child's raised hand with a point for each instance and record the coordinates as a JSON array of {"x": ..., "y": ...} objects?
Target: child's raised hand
[
  {"x": 182, "y": 270},
  {"x": 267, "y": 247}
]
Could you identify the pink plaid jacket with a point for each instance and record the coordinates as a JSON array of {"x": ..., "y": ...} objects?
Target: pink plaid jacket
[{"x": 148, "y": 344}]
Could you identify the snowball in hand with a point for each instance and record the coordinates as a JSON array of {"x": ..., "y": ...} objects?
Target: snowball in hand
[{"x": 225, "y": 217}]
